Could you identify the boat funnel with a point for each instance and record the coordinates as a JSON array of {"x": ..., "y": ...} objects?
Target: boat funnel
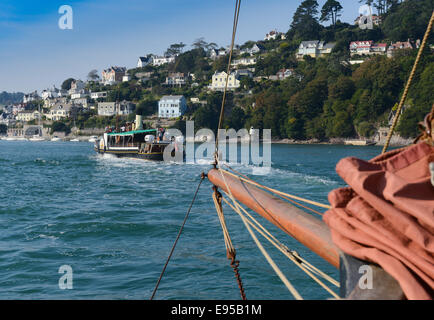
[{"x": 139, "y": 124}]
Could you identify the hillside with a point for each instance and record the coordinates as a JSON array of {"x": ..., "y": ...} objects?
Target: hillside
[{"x": 10, "y": 98}]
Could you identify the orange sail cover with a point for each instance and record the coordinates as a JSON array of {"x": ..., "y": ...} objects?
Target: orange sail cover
[{"x": 386, "y": 215}]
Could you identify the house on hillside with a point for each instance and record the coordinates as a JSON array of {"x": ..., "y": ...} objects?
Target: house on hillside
[
  {"x": 109, "y": 109},
  {"x": 51, "y": 102},
  {"x": 26, "y": 116},
  {"x": 217, "y": 53},
  {"x": 244, "y": 73},
  {"x": 273, "y": 35},
  {"x": 244, "y": 61},
  {"x": 255, "y": 49},
  {"x": 314, "y": 49},
  {"x": 53, "y": 93},
  {"x": 80, "y": 95},
  {"x": 33, "y": 96},
  {"x": 176, "y": 79},
  {"x": 98, "y": 95},
  {"x": 59, "y": 111},
  {"x": 77, "y": 86},
  {"x": 219, "y": 81},
  {"x": 367, "y": 47},
  {"x": 172, "y": 106},
  {"x": 144, "y": 61},
  {"x": 113, "y": 75},
  {"x": 159, "y": 61},
  {"x": 398, "y": 46}
]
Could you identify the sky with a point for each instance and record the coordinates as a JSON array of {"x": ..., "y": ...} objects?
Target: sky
[{"x": 36, "y": 54}]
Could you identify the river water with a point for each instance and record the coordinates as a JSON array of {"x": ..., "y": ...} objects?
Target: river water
[{"x": 113, "y": 221}]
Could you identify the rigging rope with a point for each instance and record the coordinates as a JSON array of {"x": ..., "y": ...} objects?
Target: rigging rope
[
  {"x": 222, "y": 109},
  {"x": 407, "y": 86},
  {"x": 276, "y": 269},
  {"x": 280, "y": 193},
  {"x": 202, "y": 177},
  {"x": 285, "y": 248},
  {"x": 230, "y": 250},
  {"x": 290, "y": 254}
]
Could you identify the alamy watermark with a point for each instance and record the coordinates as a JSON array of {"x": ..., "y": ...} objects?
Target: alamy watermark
[
  {"x": 66, "y": 20},
  {"x": 365, "y": 19},
  {"x": 66, "y": 280},
  {"x": 240, "y": 147},
  {"x": 366, "y": 280}
]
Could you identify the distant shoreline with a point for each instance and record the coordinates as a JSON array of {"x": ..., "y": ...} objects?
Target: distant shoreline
[{"x": 397, "y": 142}]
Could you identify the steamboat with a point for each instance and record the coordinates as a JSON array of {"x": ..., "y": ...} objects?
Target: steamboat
[{"x": 133, "y": 141}]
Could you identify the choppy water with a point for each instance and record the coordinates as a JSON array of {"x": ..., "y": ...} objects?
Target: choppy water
[{"x": 114, "y": 221}]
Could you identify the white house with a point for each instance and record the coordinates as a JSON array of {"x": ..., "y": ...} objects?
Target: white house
[
  {"x": 80, "y": 102},
  {"x": 314, "y": 49},
  {"x": 255, "y": 49},
  {"x": 144, "y": 61},
  {"x": 176, "y": 79},
  {"x": 30, "y": 97},
  {"x": 79, "y": 95},
  {"x": 77, "y": 86},
  {"x": 28, "y": 115},
  {"x": 52, "y": 93},
  {"x": 367, "y": 48},
  {"x": 284, "y": 73},
  {"x": 216, "y": 53},
  {"x": 273, "y": 35},
  {"x": 98, "y": 95},
  {"x": 219, "y": 81},
  {"x": 171, "y": 106},
  {"x": 115, "y": 108},
  {"x": 159, "y": 61},
  {"x": 59, "y": 111},
  {"x": 244, "y": 61}
]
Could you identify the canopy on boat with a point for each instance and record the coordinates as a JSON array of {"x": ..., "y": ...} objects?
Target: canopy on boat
[{"x": 131, "y": 133}]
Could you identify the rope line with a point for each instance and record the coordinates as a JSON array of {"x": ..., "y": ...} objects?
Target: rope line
[
  {"x": 280, "y": 193},
  {"x": 222, "y": 109},
  {"x": 407, "y": 86},
  {"x": 276, "y": 269},
  {"x": 202, "y": 177},
  {"x": 291, "y": 255},
  {"x": 230, "y": 250},
  {"x": 228, "y": 242}
]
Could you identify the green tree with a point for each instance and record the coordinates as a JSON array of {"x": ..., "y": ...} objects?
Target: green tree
[
  {"x": 66, "y": 85},
  {"x": 408, "y": 123},
  {"x": 59, "y": 126},
  {"x": 175, "y": 49},
  {"x": 147, "y": 107},
  {"x": 366, "y": 129},
  {"x": 331, "y": 11},
  {"x": 305, "y": 24},
  {"x": 408, "y": 20},
  {"x": 200, "y": 43},
  {"x": 236, "y": 119},
  {"x": 93, "y": 75}
]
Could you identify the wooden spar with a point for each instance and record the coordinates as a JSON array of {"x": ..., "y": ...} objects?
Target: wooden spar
[{"x": 309, "y": 231}]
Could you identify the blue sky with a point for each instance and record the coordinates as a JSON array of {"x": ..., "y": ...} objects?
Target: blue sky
[{"x": 36, "y": 54}]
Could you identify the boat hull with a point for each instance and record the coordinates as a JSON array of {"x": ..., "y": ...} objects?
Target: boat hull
[{"x": 155, "y": 156}]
